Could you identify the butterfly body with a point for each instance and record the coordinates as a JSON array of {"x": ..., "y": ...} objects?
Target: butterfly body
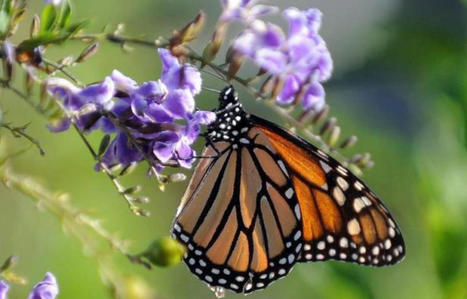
[{"x": 264, "y": 199}]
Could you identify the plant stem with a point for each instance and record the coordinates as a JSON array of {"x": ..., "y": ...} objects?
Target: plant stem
[{"x": 120, "y": 39}]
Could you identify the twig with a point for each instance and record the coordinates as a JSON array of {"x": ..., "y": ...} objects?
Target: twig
[
  {"x": 115, "y": 38},
  {"x": 62, "y": 68},
  {"x": 20, "y": 132}
]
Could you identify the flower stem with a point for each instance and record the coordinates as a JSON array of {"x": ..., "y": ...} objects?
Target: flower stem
[{"x": 116, "y": 38}]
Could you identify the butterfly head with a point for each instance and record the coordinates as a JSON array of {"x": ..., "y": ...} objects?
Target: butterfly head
[
  {"x": 228, "y": 97},
  {"x": 232, "y": 121}
]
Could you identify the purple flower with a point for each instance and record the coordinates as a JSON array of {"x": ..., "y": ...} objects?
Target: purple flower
[
  {"x": 120, "y": 151},
  {"x": 176, "y": 76},
  {"x": 83, "y": 102},
  {"x": 244, "y": 10},
  {"x": 45, "y": 289},
  {"x": 3, "y": 290},
  {"x": 301, "y": 59},
  {"x": 54, "y": 2},
  {"x": 8, "y": 52},
  {"x": 160, "y": 116}
]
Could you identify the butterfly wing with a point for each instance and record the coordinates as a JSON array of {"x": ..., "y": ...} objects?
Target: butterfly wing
[
  {"x": 239, "y": 217},
  {"x": 342, "y": 218}
]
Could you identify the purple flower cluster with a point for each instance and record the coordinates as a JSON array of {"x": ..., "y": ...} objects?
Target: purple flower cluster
[
  {"x": 155, "y": 119},
  {"x": 45, "y": 289},
  {"x": 301, "y": 59},
  {"x": 244, "y": 10}
]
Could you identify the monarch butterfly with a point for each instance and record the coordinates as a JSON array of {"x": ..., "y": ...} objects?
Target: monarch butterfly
[{"x": 264, "y": 199}]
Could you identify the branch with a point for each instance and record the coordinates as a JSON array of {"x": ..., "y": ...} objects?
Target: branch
[
  {"x": 21, "y": 132},
  {"x": 357, "y": 162}
]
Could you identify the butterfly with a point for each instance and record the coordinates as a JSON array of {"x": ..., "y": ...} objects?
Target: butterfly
[{"x": 263, "y": 199}]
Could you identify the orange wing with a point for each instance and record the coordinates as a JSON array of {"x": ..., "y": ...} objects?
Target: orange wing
[
  {"x": 341, "y": 218},
  {"x": 239, "y": 217}
]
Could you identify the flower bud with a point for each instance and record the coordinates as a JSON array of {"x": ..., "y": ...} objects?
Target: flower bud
[
  {"x": 164, "y": 252},
  {"x": 189, "y": 32},
  {"x": 211, "y": 50},
  {"x": 320, "y": 115},
  {"x": 137, "y": 288},
  {"x": 328, "y": 126},
  {"x": 35, "y": 25},
  {"x": 177, "y": 177},
  {"x": 88, "y": 52},
  {"x": 349, "y": 142},
  {"x": 334, "y": 136},
  {"x": 235, "y": 61}
]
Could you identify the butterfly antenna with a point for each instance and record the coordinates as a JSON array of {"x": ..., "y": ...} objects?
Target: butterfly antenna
[
  {"x": 216, "y": 75},
  {"x": 212, "y": 90}
]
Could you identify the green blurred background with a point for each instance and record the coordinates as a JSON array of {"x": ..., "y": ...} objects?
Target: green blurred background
[{"x": 400, "y": 84}]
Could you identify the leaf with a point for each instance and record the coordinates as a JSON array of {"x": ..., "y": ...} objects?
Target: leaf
[
  {"x": 6, "y": 6},
  {"x": 48, "y": 18},
  {"x": 43, "y": 39},
  {"x": 65, "y": 16},
  {"x": 4, "y": 22},
  {"x": 104, "y": 145},
  {"x": 75, "y": 27}
]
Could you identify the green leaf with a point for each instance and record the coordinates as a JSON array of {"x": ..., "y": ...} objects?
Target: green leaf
[
  {"x": 43, "y": 39},
  {"x": 104, "y": 145},
  {"x": 48, "y": 18},
  {"x": 75, "y": 27},
  {"x": 4, "y": 22},
  {"x": 65, "y": 16},
  {"x": 6, "y": 6}
]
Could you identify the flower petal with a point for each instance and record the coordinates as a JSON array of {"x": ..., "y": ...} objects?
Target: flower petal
[
  {"x": 122, "y": 82},
  {"x": 46, "y": 289},
  {"x": 4, "y": 287},
  {"x": 101, "y": 93},
  {"x": 204, "y": 117},
  {"x": 191, "y": 79},
  {"x": 313, "y": 98},
  {"x": 291, "y": 86},
  {"x": 271, "y": 60},
  {"x": 154, "y": 91},
  {"x": 158, "y": 114},
  {"x": 163, "y": 151},
  {"x": 179, "y": 102},
  {"x": 62, "y": 125}
]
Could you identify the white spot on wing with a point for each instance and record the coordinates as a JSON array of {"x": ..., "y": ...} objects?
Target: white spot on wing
[
  {"x": 358, "y": 186},
  {"x": 184, "y": 238},
  {"x": 342, "y": 170},
  {"x": 282, "y": 166},
  {"x": 358, "y": 204},
  {"x": 325, "y": 166},
  {"x": 342, "y": 183},
  {"x": 344, "y": 243},
  {"x": 353, "y": 227},
  {"x": 297, "y": 235},
  {"x": 297, "y": 212},
  {"x": 338, "y": 196},
  {"x": 366, "y": 201},
  {"x": 244, "y": 141},
  {"x": 321, "y": 245}
]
